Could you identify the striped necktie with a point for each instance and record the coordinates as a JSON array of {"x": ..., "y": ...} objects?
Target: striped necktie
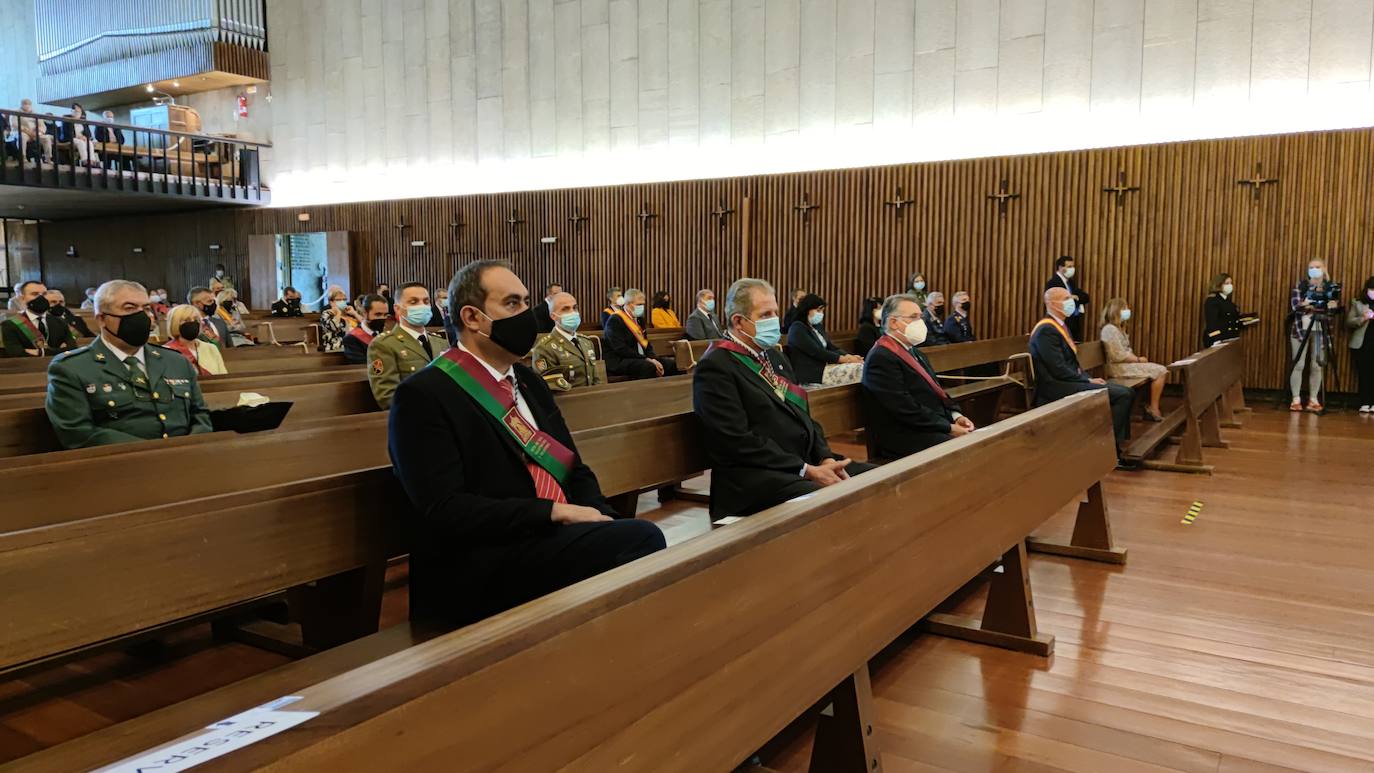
[{"x": 545, "y": 485}]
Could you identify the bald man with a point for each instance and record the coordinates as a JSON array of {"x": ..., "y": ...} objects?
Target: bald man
[
  {"x": 1057, "y": 372},
  {"x": 562, "y": 357}
]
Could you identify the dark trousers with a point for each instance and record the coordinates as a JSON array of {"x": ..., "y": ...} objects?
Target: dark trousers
[
  {"x": 1121, "y": 399},
  {"x": 801, "y": 486},
  {"x": 639, "y": 369},
  {"x": 1364, "y": 366},
  {"x": 526, "y": 570}
]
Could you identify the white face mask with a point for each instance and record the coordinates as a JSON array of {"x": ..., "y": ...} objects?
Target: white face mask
[
  {"x": 915, "y": 332},
  {"x": 1069, "y": 272},
  {"x": 1226, "y": 290}
]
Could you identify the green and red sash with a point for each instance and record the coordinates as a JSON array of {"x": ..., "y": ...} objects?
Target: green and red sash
[
  {"x": 784, "y": 389},
  {"x": 26, "y": 329},
  {"x": 1057, "y": 325},
  {"x": 890, "y": 344},
  {"x": 473, "y": 378},
  {"x": 362, "y": 334}
]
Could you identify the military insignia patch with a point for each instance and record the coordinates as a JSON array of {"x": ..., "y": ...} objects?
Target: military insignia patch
[
  {"x": 377, "y": 367},
  {"x": 90, "y": 389},
  {"x": 539, "y": 364}
]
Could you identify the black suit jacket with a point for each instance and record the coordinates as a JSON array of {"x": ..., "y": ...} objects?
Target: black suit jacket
[
  {"x": 904, "y": 414},
  {"x": 621, "y": 346},
  {"x": 59, "y": 338},
  {"x": 756, "y": 442},
  {"x": 107, "y": 134},
  {"x": 868, "y": 336},
  {"x": 355, "y": 351},
  {"x": 222, "y": 330},
  {"x": 473, "y": 498},
  {"x": 75, "y": 322},
  {"x": 1057, "y": 372},
  {"x": 542, "y": 321},
  {"x": 1222, "y": 320},
  {"x": 809, "y": 357},
  {"x": 281, "y": 308},
  {"x": 1075, "y": 323},
  {"x": 958, "y": 329}
]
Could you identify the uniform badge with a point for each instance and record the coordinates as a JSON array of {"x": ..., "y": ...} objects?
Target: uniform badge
[
  {"x": 404, "y": 353},
  {"x": 99, "y": 357},
  {"x": 106, "y": 388},
  {"x": 90, "y": 389},
  {"x": 377, "y": 367},
  {"x": 539, "y": 364}
]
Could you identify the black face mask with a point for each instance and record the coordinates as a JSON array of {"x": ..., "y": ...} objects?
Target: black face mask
[
  {"x": 939, "y": 311},
  {"x": 39, "y": 305},
  {"x": 134, "y": 328},
  {"x": 376, "y": 325},
  {"x": 964, "y": 307},
  {"x": 209, "y": 308},
  {"x": 57, "y": 311},
  {"x": 386, "y": 294},
  {"x": 514, "y": 334},
  {"x": 189, "y": 330}
]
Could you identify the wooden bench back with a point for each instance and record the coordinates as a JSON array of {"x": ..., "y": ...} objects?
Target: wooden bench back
[
  {"x": 232, "y": 382},
  {"x": 1209, "y": 373},
  {"x": 714, "y": 623},
  {"x": 951, "y": 357}
]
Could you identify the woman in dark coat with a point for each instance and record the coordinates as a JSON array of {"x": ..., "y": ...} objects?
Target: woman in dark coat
[{"x": 808, "y": 347}]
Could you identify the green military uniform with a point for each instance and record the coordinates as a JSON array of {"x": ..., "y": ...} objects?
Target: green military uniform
[
  {"x": 94, "y": 399},
  {"x": 565, "y": 364},
  {"x": 393, "y": 356}
]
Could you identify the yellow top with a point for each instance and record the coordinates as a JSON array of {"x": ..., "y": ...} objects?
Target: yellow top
[{"x": 665, "y": 318}]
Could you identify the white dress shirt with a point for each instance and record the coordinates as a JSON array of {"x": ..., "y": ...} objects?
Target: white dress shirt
[
  {"x": 520, "y": 405},
  {"x": 121, "y": 356}
]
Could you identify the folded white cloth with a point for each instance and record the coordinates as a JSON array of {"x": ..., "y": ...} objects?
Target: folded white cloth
[{"x": 252, "y": 399}]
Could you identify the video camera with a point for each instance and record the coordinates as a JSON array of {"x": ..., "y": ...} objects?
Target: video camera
[{"x": 1318, "y": 296}]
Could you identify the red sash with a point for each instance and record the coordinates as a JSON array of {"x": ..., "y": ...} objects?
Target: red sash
[
  {"x": 889, "y": 343},
  {"x": 1063, "y": 331},
  {"x": 634, "y": 327},
  {"x": 176, "y": 345},
  {"x": 362, "y": 334}
]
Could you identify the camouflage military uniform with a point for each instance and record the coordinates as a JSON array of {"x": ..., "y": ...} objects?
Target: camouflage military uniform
[
  {"x": 94, "y": 399},
  {"x": 565, "y": 364}
]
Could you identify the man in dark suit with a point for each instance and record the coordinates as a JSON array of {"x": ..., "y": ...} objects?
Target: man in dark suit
[
  {"x": 289, "y": 305},
  {"x": 109, "y": 133},
  {"x": 57, "y": 307},
  {"x": 212, "y": 327},
  {"x": 32, "y": 332},
  {"x": 1057, "y": 372},
  {"x": 628, "y": 351},
  {"x": 763, "y": 444},
  {"x": 1064, "y": 271},
  {"x": 357, "y": 340},
  {"x": 504, "y": 511},
  {"x": 701, "y": 324},
  {"x": 908, "y": 410},
  {"x": 541, "y": 312}
]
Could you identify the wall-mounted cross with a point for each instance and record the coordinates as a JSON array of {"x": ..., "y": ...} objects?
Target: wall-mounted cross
[
  {"x": 720, "y": 213},
  {"x": 900, "y": 202},
  {"x": 514, "y": 220},
  {"x": 577, "y": 219},
  {"x": 1002, "y": 197},
  {"x": 645, "y": 216},
  {"x": 1121, "y": 188},
  {"x": 805, "y": 208},
  {"x": 457, "y": 224},
  {"x": 1258, "y": 181}
]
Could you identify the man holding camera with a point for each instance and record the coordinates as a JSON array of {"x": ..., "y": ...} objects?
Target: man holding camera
[{"x": 1312, "y": 301}]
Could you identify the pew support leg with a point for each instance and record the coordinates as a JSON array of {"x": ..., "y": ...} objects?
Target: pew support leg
[
  {"x": 1092, "y": 534},
  {"x": 626, "y": 504},
  {"x": 1009, "y": 617},
  {"x": 1189, "y": 457},
  {"x": 844, "y": 737},
  {"x": 341, "y": 608},
  {"x": 1211, "y": 427}
]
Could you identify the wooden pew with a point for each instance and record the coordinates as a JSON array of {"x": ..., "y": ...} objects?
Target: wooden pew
[
  {"x": 261, "y": 381},
  {"x": 1211, "y": 382},
  {"x": 559, "y": 688}
]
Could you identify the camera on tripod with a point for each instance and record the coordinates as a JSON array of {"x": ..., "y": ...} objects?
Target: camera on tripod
[{"x": 1318, "y": 297}]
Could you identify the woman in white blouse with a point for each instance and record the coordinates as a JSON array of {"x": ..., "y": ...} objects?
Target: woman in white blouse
[{"x": 1123, "y": 362}]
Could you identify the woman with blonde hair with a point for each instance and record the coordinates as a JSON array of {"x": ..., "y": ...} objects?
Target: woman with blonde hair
[
  {"x": 1123, "y": 362},
  {"x": 183, "y": 327},
  {"x": 228, "y": 309}
]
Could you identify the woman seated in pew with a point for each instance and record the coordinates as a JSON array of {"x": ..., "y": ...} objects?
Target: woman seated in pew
[
  {"x": 815, "y": 358},
  {"x": 663, "y": 314},
  {"x": 1122, "y": 362},
  {"x": 336, "y": 320},
  {"x": 870, "y": 311},
  {"x": 231, "y": 311},
  {"x": 184, "y": 331}
]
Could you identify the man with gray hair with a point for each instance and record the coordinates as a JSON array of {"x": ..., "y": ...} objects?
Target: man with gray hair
[
  {"x": 701, "y": 324},
  {"x": 119, "y": 389},
  {"x": 908, "y": 410},
  {"x": 763, "y": 444},
  {"x": 627, "y": 349}
]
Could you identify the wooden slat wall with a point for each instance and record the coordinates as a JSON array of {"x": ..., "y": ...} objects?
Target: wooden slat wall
[{"x": 1189, "y": 220}]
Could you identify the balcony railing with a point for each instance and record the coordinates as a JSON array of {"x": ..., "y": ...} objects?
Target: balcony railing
[{"x": 94, "y": 155}]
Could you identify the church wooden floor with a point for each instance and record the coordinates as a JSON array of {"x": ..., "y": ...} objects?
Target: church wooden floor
[{"x": 1244, "y": 642}]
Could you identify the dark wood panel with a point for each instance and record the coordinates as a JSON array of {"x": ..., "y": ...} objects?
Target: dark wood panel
[{"x": 1158, "y": 248}]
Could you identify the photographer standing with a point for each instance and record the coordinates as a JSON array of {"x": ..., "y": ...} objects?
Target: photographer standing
[
  {"x": 1362, "y": 343},
  {"x": 1312, "y": 300}
]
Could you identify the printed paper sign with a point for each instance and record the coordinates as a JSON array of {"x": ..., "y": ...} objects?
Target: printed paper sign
[{"x": 223, "y": 737}]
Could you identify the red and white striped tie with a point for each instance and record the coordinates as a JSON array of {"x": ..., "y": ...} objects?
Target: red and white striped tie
[{"x": 545, "y": 485}]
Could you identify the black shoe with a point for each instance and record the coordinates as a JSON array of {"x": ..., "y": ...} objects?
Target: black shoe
[{"x": 1127, "y": 465}]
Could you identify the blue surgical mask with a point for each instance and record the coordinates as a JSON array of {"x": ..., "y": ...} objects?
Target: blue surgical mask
[
  {"x": 920, "y": 285},
  {"x": 419, "y": 315},
  {"x": 1125, "y": 314},
  {"x": 817, "y": 317},
  {"x": 710, "y": 305},
  {"x": 1315, "y": 273},
  {"x": 340, "y": 305},
  {"x": 570, "y": 321},
  {"x": 1070, "y": 306},
  {"x": 767, "y": 332},
  {"x": 639, "y": 310}
]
